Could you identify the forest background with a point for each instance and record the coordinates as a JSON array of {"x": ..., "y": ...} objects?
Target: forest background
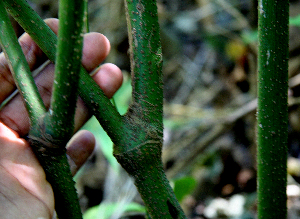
[{"x": 210, "y": 88}]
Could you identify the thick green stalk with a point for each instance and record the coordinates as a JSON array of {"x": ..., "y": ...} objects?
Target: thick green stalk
[
  {"x": 146, "y": 58},
  {"x": 139, "y": 152},
  {"x": 19, "y": 68},
  {"x": 145, "y": 166},
  {"x": 272, "y": 108}
]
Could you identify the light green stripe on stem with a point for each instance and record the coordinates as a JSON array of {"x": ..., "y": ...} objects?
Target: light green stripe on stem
[
  {"x": 272, "y": 114},
  {"x": 20, "y": 69}
]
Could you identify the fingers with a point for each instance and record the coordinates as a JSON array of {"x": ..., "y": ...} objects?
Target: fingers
[
  {"x": 109, "y": 77},
  {"x": 95, "y": 49},
  {"x": 95, "y": 42},
  {"x": 14, "y": 115},
  {"x": 79, "y": 148},
  {"x": 100, "y": 46},
  {"x": 33, "y": 55}
]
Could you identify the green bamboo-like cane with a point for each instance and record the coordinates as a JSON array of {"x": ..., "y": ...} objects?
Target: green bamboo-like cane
[
  {"x": 59, "y": 122},
  {"x": 272, "y": 116},
  {"x": 20, "y": 69}
]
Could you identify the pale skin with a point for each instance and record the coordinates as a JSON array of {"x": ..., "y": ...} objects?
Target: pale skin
[{"x": 24, "y": 190}]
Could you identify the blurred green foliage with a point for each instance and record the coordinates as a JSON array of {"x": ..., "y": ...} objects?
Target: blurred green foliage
[
  {"x": 106, "y": 210},
  {"x": 184, "y": 186}
]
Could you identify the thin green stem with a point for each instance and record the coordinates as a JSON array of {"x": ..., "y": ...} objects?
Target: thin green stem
[
  {"x": 272, "y": 114},
  {"x": 104, "y": 111},
  {"x": 20, "y": 69},
  {"x": 86, "y": 17},
  {"x": 60, "y": 120},
  {"x": 33, "y": 25},
  {"x": 48, "y": 139}
]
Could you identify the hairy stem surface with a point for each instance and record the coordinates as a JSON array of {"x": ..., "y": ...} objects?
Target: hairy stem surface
[
  {"x": 20, "y": 69},
  {"x": 272, "y": 114},
  {"x": 140, "y": 151},
  {"x": 146, "y": 58},
  {"x": 60, "y": 120}
]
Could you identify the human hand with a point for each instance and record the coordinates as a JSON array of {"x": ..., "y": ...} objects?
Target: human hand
[{"x": 24, "y": 190}]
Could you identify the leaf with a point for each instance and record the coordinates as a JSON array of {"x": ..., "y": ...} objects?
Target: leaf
[
  {"x": 104, "y": 141},
  {"x": 183, "y": 187},
  {"x": 295, "y": 21},
  {"x": 106, "y": 210}
]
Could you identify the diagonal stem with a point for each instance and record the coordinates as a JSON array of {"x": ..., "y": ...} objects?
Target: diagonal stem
[{"x": 20, "y": 69}]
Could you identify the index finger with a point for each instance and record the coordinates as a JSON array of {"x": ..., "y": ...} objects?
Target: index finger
[{"x": 35, "y": 56}]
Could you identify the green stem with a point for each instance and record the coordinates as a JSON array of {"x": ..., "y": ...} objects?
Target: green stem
[
  {"x": 145, "y": 166},
  {"x": 272, "y": 112},
  {"x": 104, "y": 111},
  {"x": 60, "y": 120},
  {"x": 146, "y": 58},
  {"x": 33, "y": 25},
  {"x": 20, "y": 69},
  {"x": 48, "y": 139},
  {"x": 54, "y": 161},
  {"x": 86, "y": 17}
]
